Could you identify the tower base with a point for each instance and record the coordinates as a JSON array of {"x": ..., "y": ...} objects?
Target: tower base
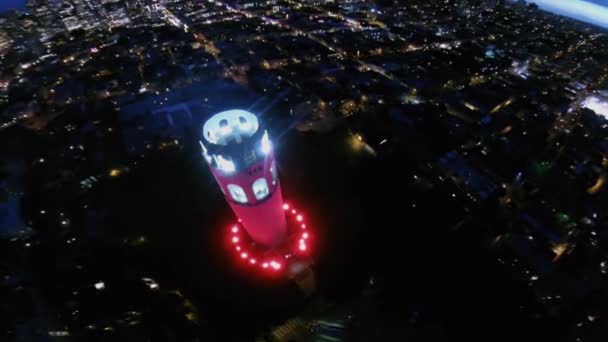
[{"x": 289, "y": 257}]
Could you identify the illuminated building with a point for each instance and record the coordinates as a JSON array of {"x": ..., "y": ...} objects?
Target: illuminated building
[
  {"x": 5, "y": 43},
  {"x": 598, "y": 102},
  {"x": 50, "y": 23},
  {"x": 240, "y": 154}
]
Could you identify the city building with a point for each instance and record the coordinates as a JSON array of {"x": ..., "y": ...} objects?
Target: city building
[
  {"x": 48, "y": 19},
  {"x": 598, "y": 103},
  {"x": 5, "y": 42}
]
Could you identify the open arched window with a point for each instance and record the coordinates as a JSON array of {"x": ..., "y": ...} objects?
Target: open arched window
[
  {"x": 237, "y": 193},
  {"x": 260, "y": 188}
]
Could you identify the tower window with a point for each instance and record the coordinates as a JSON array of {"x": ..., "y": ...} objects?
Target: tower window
[
  {"x": 260, "y": 188},
  {"x": 237, "y": 193}
]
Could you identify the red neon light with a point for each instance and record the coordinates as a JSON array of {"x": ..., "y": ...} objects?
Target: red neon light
[{"x": 255, "y": 255}]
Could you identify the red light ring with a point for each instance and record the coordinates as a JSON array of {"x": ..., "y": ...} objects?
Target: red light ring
[{"x": 298, "y": 244}]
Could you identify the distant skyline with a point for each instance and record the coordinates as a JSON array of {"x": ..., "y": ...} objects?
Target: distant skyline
[{"x": 590, "y": 11}]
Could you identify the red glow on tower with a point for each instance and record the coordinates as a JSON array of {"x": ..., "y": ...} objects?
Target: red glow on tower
[{"x": 240, "y": 155}]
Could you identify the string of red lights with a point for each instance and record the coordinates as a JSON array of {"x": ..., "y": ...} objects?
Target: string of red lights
[{"x": 299, "y": 244}]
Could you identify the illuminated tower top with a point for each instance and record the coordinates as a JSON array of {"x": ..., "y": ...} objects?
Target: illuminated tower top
[
  {"x": 230, "y": 126},
  {"x": 231, "y": 138}
]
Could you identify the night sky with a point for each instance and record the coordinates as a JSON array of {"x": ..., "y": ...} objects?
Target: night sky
[{"x": 591, "y": 11}]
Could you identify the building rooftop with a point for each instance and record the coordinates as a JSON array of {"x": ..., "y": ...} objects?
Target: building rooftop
[
  {"x": 230, "y": 126},
  {"x": 598, "y": 103}
]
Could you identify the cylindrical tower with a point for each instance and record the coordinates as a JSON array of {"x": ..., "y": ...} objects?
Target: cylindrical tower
[{"x": 239, "y": 152}]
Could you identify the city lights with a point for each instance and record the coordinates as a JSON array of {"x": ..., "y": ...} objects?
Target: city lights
[{"x": 345, "y": 150}]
